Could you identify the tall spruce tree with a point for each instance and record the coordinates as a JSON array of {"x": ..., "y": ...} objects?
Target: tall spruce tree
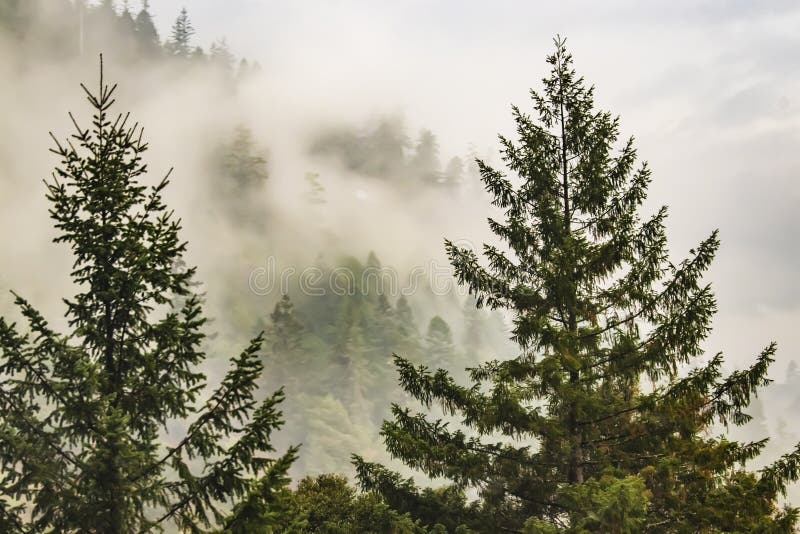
[
  {"x": 605, "y": 412},
  {"x": 84, "y": 411}
]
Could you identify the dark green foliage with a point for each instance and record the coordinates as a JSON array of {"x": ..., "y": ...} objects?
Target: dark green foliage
[
  {"x": 443, "y": 508},
  {"x": 85, "y": 411},
  {"x": 265, "y": 509},
  {"x": 326, "y": 504},
  {"x": 608, "y": 406},
  {"x": 609, "y": 503}
]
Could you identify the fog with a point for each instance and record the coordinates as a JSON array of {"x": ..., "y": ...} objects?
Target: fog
[{"x": 707, "y": 88}]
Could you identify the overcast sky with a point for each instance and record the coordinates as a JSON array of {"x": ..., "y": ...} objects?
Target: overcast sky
[{"x": 709, "y": 89}]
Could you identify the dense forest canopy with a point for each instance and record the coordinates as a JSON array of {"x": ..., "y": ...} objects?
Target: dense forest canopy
[{"x": 563, "y": 377}]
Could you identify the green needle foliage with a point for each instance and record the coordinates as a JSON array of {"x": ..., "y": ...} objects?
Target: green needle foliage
[
  {"x": 84, "y": 412},
  {"x": 602, "y": 422}
]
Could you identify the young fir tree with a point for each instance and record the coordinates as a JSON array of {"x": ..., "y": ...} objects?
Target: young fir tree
[
  {"x": 84, "y": 411},
  {"x": 604, "y": 431},
  {"x": 181, "y": 36}
]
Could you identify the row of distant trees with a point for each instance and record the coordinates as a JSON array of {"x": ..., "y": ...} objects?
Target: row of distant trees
[
  {"x": 385, "y": 151},
  {"x": 65, "y": 28}
]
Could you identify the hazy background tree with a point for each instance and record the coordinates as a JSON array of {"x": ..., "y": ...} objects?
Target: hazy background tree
[
  {"x": 179, "y": 43},
  {"x": 149, "y": 43}
]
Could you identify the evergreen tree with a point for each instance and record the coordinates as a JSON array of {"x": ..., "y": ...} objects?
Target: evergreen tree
[
  {"x": 126, "y": 19},
  {"x": 126, "y": 38},
  {"x": 327, "y": 504},
  {"x": 353, "y": 378},
  {"x": 373, "y": 278},
  {"x": 146, "y": 34},
  {"x": 446, "y": 509},
  {"x": 100, "y": 22},
  {"x": 285, "y": 342},
  {"x": 439, "y": 351},
  {"x": 454, "y": 172},
  {"x": 244, "y": 166},
  {"x": 243, "y": 170},
  {"x": 383, "y": 149},
  {"x": 599, "y": 311},
  {"x": 221, "y": 56},
  {"x": 83, "y": 411},
  {"x": 384, "y": 334},
  {"x": 405, "y": 315},
  {"x": 105, "y": 14},
  {"x": 197, "y": 55},
  {"x": 181, "y": 36},
  {"x": 425, "y": 163}
]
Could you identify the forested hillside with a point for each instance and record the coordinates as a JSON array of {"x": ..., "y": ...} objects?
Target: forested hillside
[{"x": 332, "y": 353}]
